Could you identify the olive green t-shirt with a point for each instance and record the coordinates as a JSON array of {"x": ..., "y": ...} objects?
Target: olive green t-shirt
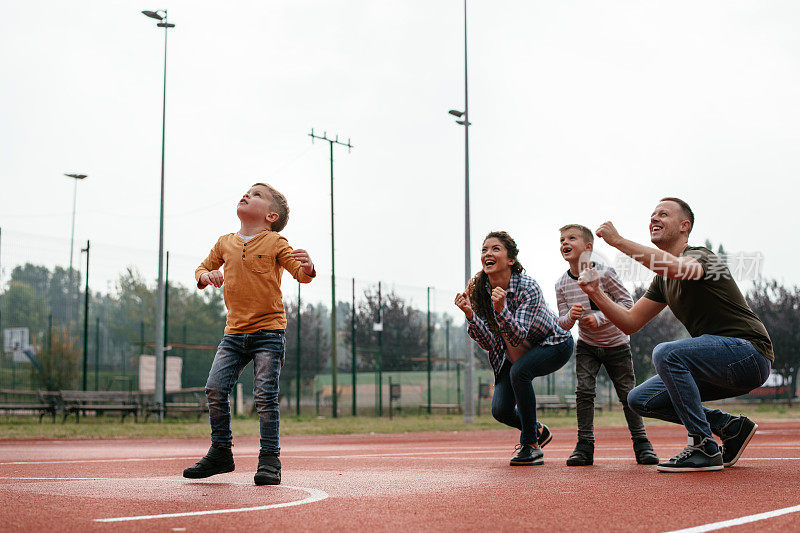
[{"x": 712, "y": 305}]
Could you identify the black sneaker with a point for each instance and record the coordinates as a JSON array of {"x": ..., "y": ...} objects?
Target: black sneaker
[
  {"x": 735, "y": 436},
  {"x": 527, "y": 456},
  {"x": 583, "y": 454},
  {"x": 218, "y": 460},
  {"x": 645, "y": 455},
  {"x": 544, "y": 435},
  {"x": 700, "y": 455},
  {"x": 269, "y": 469}
]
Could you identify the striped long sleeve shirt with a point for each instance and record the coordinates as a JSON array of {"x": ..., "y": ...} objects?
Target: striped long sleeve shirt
[
  {"x": 525, "y": 317},
  {"x": 569, "y": 293}
]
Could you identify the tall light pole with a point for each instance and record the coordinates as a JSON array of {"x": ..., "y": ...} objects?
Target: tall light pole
[
  {"x": 159, "y": 343},
  {"x": 334, "y": 401},
  {"x": 75, "y": 177},
  {"x": 469, "y": 405}
]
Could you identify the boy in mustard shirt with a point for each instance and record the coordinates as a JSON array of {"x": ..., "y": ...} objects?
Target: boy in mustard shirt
[{"x": 251, "y": 286}]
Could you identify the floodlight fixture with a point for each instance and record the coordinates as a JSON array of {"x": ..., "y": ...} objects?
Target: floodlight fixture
[
  {"x": 153, "y": 15},
  {"x": 456, "y": 113}
]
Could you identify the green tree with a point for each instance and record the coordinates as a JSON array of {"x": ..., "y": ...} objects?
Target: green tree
[
  {"x": 664, "y": 327},
  {"x": 778, "y": 307}
]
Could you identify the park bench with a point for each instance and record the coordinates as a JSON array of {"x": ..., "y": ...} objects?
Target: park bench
[
  {"x": 551, "y": 401},
  {"x": 77, "y": 402},
  {"x": 183, "y": 401},
  {"x": 572, "y": 403},
  {"x": 28, "y": 402},
  {"x": 446, "y": 407}
]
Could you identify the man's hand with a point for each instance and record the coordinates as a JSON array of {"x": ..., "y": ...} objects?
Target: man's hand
[
  {"x": 609, "y": 233},
  {"x": 590, "y": 322},
  {"x": 462, "y": 302},
  {"x": 305, "y": 260},
  {"x": 214, "y": 278},
  {"x": 498, "y": 299},
  {"x": 575, "y": 312},
  {"x": 589, "y": 281}
]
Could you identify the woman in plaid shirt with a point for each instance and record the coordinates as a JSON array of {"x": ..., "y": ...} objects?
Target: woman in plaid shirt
[{"x": 508, "y": 317}]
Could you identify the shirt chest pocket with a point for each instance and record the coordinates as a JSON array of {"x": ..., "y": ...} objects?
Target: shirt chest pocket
[{"x": 259, "y": 263}]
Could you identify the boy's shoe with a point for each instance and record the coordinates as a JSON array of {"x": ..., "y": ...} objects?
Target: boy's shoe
[
  {"x": 583, "y": 454},
  {"x": 645, "y": 455},
  {"x": 735, "y": 439},
  {"x": 269, "y": 469},
  {"x": 544, "y": 435},
  {"x": 700, "y": 455},
  {"x": 218, "y": 460},
  {"x": 527, "y": 456}
]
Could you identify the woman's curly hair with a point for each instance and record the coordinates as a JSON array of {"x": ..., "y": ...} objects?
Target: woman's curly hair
[{"x": 481, "y": 299}]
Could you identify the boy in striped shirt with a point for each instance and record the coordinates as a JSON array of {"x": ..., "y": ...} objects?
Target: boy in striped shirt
[{"x": 600, "y": 343}]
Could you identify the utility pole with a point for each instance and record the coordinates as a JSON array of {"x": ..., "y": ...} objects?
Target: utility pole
[
  {"x": 86, "y": 318},
  {"x": 299, "y": 306},
  {"x": 331, "y": 142},
  {"x": 354, "y": 365},
  {"x": 429, "y": 349}
]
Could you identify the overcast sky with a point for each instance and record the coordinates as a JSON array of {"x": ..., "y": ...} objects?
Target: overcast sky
[{"x": 582, "y": 112}]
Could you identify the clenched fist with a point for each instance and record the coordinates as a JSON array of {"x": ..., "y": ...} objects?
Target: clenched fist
[
  {"x": 462, "y": 302},
  {"x": 498, "y": 299},
  {"x": 576, "y": 311},
  {"x": 214, "y": 278}
]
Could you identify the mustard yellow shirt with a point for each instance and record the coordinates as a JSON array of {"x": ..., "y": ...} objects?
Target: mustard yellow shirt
[{"x": 252, "y": 282}]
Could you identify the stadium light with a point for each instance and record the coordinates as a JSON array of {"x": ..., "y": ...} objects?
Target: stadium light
[
  {"x": 76, "y": 177},
  {"x": 160, "y": 302}
]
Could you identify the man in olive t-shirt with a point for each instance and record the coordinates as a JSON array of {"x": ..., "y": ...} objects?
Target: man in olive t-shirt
[{"x": 729, "y": 354}]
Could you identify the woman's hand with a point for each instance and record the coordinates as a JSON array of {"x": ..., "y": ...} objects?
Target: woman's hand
[
  {"x": 575, "y": 312},
  {"x": 498, "y": 299},
  {"x": 462, "y": 302}
]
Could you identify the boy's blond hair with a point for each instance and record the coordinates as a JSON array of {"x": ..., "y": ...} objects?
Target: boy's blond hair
[
  {"x": 586, "y": 233},
  {"x": 279, "y": 204}
]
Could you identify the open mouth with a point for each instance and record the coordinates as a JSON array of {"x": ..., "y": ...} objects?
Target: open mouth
[
  {"x": 488, "y": 262},
  {"x": 566, "y": 250},
  {"x": 656, "y": 228}
]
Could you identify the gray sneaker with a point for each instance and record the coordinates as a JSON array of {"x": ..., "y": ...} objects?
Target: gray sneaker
[
  {"x": 735, "y": 436},
  {"x": 701, "y": 454}
]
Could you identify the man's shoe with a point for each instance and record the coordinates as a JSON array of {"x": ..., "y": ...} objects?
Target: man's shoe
[
  {"x": 700, "y": 455},
  {"x": 527, "y": 456},
  {"x": 583, "y": 454},
  {"x": 735, "y": 436},
  {"x": 269, "y": 469},
  {"x": 218, "y": 460},
  {"x": 544, "y": 435},
  {"x": 645, "y": 455}
]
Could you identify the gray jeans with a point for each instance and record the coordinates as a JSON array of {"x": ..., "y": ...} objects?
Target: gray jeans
[{"x": 619, "y": 365}]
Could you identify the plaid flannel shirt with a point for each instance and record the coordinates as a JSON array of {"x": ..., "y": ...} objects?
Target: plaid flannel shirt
[{"x": 525, "y": 317}]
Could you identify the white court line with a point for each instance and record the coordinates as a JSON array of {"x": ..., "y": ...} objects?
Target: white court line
[
  {"x": 314, "y": 495},
  {"x": 739, "y": 521}
]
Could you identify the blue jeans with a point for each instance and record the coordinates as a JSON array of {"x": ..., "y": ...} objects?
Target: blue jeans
[
  {"x": 691, "y": 371},
  {"x": 514, "y": 402},
  {"x": 266, "y": 349}
]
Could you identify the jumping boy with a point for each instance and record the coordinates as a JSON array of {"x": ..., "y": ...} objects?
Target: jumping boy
[
  {"x": 255, "y": 326},
  {"x": 600, "y": 343}
]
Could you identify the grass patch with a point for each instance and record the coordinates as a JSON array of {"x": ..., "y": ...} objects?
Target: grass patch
[{"x": 109, "y": 427}]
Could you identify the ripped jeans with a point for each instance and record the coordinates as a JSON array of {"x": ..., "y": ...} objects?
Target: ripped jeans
[{"x": 266, "y": 348}]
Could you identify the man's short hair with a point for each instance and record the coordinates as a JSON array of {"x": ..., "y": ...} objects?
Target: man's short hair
[
  {"x": 586, "y": 233},
  {"x": 279, "y": 204},
  {"x": 687, "y": 211}
]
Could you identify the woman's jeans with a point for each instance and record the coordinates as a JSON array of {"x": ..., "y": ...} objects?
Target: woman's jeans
[
  {"x": 266, "y": 349},
  {"x": 514, "y": 402},
  {"x": 691, "y": 371}
]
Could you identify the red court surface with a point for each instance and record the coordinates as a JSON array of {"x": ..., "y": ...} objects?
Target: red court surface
[{"x": 398, "y": 482}]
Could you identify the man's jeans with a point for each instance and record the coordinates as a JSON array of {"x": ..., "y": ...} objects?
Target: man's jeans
[
  {"x": 266, "y": 349},
  {"x": 619, "y": 365},
  {"x": 691, "y": 371},
  {"x": 514, "y": 402}
]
